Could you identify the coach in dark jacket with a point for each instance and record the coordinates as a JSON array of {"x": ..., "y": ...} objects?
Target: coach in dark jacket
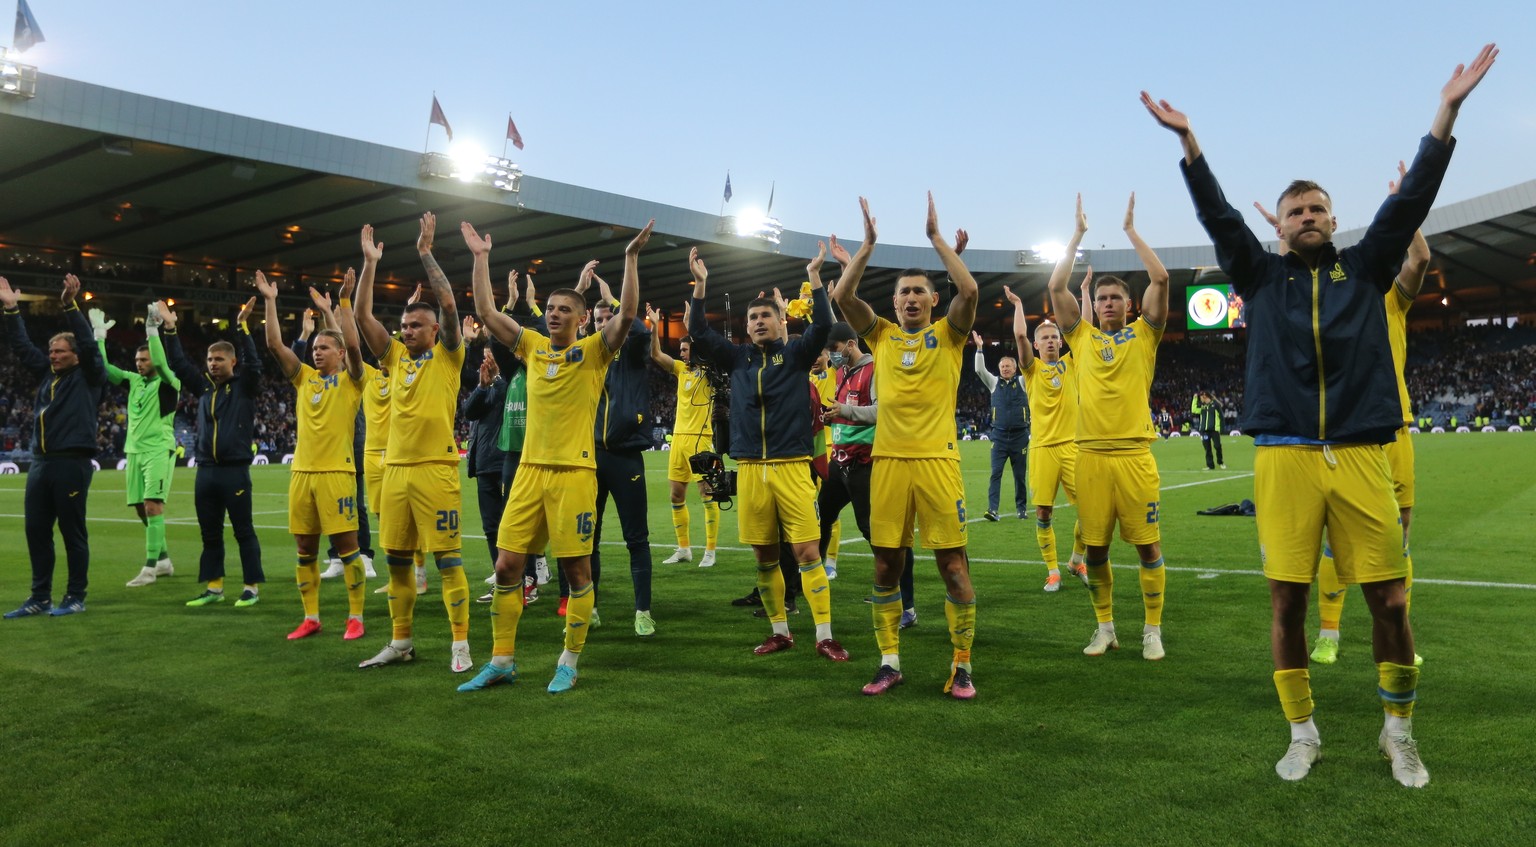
[
  {"x": 483, "y": 409},
  {"x": 226, "y": 420},
  {"x": 72, "y": 380}
]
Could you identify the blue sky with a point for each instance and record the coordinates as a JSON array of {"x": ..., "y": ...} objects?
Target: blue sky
[{"x": 1004, "y": 110}]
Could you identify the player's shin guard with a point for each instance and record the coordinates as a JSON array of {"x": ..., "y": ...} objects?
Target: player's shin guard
[
  {"x": 711, "y": 524},
  {"x": 450, "y": 568},
  {"x": 1397, "y": 685},
  {"x": 1154, "y": 579},
  {"x": 506, "y": 611},
  {"x": 1045, "y": 534},
  {"x": 402, "y": 596},
  {"x": 307, "y": 575},
  {"x": 1295, "y": 690},
  {"x": 357, "y": 582},
  {"x": 835, "y": 541},
  {"x": 770, "y": 589},
  {"x": 1101, "y": 588},
  {"x": 154, "y": 539},
  {"x": 818, "y": 591},
  {"x": 885, "y": 606},
  {"x": 680, "y": 523},
  {"x": 1330, "y": 592},
  {"x": 577, "y": 613}
]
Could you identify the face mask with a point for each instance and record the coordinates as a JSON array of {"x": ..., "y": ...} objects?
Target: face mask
[{"x": 836, "y": 360}]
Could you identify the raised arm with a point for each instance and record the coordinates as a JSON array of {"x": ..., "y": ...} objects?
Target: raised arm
[
  {"x": 374, "y": 334},
  {"x": 245, "y": 346},
  {"x": 31, "y": 358},
  {"x": 154, "y": 321},
  {"x": 99, "y": 327},
  {"x": 708, "y": 344},
  {"x": 502, "y": 326},
  {"x": 1411, "y": 278},
  {"x": 92, "y": 362},
  {"x": 286, "y": 361},
  {"x": 962, "y": 307},
  {"x": 441, "y": 289},
  {"x": 661, "y": 359},
  {"x": 322, "y": 303},
  {"x": 1154, "y": 301},
  {"x": 345, "y": 321},
  {"x": 1176, "y": 122},
  {"x": 617, "y": 327},
  {"x": 190, "y": 375},
  {"x": 855, "y": 311},
  {"x": 1454, "y": 93},
  {"x": 1062, "y": 302},
  {"x": 982, "y": 373},
  {"x": 1026, "y": 351}
]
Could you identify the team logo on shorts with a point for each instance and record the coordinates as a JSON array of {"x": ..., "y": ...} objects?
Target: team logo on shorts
[{"x": 909, "y": 358}]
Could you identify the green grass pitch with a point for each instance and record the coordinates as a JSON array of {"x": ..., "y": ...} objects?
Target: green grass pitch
[{"x": 145, "y": 722}]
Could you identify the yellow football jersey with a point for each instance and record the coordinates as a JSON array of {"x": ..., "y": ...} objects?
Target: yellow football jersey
[
  {"x": 695, "y": 401},
  {"x": 423, "y": 397},
  {"x": 325, "y": 409},
  {"x": 1114, "y": 382},
  {"x": 918, "y": 377},
  {"x": 563, "y": 388},
  {"x": 1398, "y": 305},
  {"x": 1052, "y": 392},
  {"x": 375, "y": 409}
]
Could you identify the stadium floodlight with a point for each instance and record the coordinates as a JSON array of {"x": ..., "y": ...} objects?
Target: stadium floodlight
[
  {"x": 17, "y": 80},
  {"x": 752, "y": 224},
  {"x": 469, "y": 163},
  {"x": 1049, "y": 253}
]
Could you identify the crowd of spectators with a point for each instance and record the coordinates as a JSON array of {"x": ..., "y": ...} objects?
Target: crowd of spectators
[{"x": 1468, "y": 372}]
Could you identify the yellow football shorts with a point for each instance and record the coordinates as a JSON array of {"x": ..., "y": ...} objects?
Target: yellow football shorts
[
  {"x": 322, "y": 502},
  {"x": 1051, "y": 468},
  {"x": 925, "y": 493},
  {"x": 550, "y": 506},
  {"x": 1120, "y": 487},
  {"x": 1299, "y": 491},
  {"x": 373, "y": 478},
  {"x": 775, "y": 493},
  {"x": 684, "y": 445},
  {"x": 419, "y": 507},
  {"x": 1400, "y": 460}
]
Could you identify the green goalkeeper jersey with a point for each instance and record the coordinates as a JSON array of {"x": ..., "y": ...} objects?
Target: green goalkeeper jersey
[{"x": 151, "y": 401}]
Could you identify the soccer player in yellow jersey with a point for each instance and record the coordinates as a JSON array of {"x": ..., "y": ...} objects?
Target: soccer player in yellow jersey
[
  {"x": 1117, "y": 480},
  {"x": 322, "y": 489},
  {"x": 1398, "y": 300},
  {"x": 693, "y": 432},
  {"x": 915, "y": 477},
  {"x": 419, "y": 502},
  {"x": 554, "y": 496},
  {"x": 1050, "y": 380},
  {"x": 824, "y": 379}
]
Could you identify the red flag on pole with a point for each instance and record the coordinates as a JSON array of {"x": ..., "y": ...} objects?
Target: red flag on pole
[
  {"x": 513, "y": 135},
  {"x": 439, "y": 118}
]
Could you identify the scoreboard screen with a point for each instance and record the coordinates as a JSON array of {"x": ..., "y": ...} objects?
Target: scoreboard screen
[{"x": 1212, "y": 307}]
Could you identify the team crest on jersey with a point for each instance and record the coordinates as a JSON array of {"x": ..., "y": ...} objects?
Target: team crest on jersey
[
  {"x": 1107, "y": 354},
  {"x": 778, "y": 358},
  {"x": 316, "y": 399},
  {"x": 1337, "y": 274},
  {"x": 1055, "y": 382},
  {"x": 551, "y": 369},
  {"x": 909, "y": 358},
  {"x": 410, "y": 377}
]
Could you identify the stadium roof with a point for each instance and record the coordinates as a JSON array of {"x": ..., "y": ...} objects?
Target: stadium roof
[{"x": 136, "y": 193}]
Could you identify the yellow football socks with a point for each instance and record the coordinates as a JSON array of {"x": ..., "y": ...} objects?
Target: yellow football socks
[
  {"x": 711, "y": 524},
  {"x": 506, "y": 611},
  {"x": 1045, "y": 534},
  {"x": 885, "y": 606},
  {"x": 1397, "y": 685},
  {"x": 1101, "y": 588},
  {"x": 307, "y": 575},
  {"x": 818, "y": 591},
  {"x": 402, "y": 596},
  {"x": 357, "y": 582},
  {"x": 577, "y": 613},
  {"x": 680, "y": 523},
  {"x": 1154, "y": 580},
  {"x": 1330, "y": 593},
  {"x": 770, "y": 589},
  {"x": 1295, "y": 690},
  {"x": 836, "y": 540},
  {"x": 450, "y": 569}
]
